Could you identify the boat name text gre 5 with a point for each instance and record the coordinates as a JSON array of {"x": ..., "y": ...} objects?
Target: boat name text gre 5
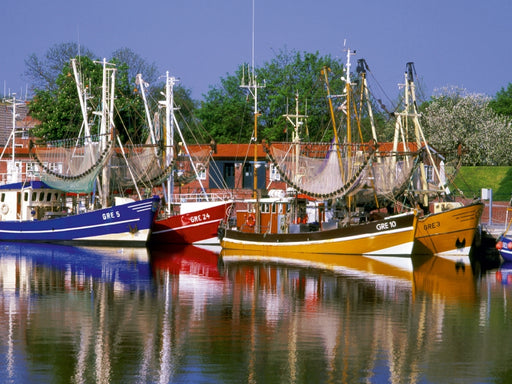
[
  {"x": 111, "y": 215},
  {"x": 198, "y": 218},
  {"x": 385, "y": 226}
]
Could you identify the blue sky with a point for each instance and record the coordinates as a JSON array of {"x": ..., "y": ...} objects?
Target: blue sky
[{"x": 464, "y": 43}]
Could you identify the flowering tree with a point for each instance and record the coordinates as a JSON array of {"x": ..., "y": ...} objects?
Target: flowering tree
[{"x": 455, "y": 117}]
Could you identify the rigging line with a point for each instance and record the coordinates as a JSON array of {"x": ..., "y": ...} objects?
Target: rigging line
[
  {"x": 215, "y": 170},
  {"x": 189, "y": 129},
  {"x": 244, "y": 162},
  {"x": 133, "y": 109},
  {"x": 201, "y": 130},
  {"x": 381, "y": 89}
]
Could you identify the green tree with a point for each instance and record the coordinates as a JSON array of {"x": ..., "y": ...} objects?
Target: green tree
[
  {"x": 502, "y": 102},
  {"x": 56, "y": 104},
  {"x": 227, "y": 111},
  {"x": 291, "y": 73},
  {"x": 57, "y": 108}
]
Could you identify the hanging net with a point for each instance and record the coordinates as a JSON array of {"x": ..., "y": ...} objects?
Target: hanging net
[
  {"x": 358, "y": 170},
  {"x": 317, "y": 169},
  {"x": 387, "y": 178},
  {"x": 71, "y": 165},
  {"x": 138, "y": 164}
]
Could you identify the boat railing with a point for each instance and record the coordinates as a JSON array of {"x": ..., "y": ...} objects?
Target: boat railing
[
  {"x": 201, "y": 197},
  {"x": 8, "y": 178}
]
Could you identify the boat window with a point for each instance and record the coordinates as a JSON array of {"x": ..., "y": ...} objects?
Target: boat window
[
  {"x": 273, "y": 208},
  {"x": 25, "y": 196},
  {"x": 3, "y": 197},
  {"x": 48, "y": 197},
  {"x": 56, "y": 196},
  {"x": 41, "y": 196},
  {"x": 34, "y": 196}
]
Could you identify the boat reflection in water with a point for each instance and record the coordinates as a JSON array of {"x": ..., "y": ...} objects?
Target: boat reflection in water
[
  {"x": 504, "y": 273},
  {"x": 63, "y": 309},
  {"x": 126, "y": 268},
  {"x": 75, "y": 314},
  {"x": 443, "y": 277}
]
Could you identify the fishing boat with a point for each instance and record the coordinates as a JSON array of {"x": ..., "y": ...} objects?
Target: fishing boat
[
  {"x": 61, "y": 205},
  {"x": 446, "y": 227},
  {"x": 504, "y": 242},
  {"x": 449, "y": 230},
  {"x": 318, "y": 214},
  {"x": 184, "y": 218}
]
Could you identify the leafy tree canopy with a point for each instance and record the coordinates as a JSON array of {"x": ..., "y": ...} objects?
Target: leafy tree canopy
[
  {"x": 502, "y": 102},
  {"x": 454, "y": 117},
  {"x": 227, "y": 110},
  {"x": 55, "y": 103}
]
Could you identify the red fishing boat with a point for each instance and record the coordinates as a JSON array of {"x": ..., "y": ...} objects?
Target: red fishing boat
[{"x": 184, "y": 218}]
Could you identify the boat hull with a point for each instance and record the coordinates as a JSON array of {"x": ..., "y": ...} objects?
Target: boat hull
[
  {"x": 449, "y": 233},
  {"x": 504, "y": 246},
  {"x": 393, "y": 236},
  {"x": 128, "y": 224},
  {"x": 196, "y": 227}
]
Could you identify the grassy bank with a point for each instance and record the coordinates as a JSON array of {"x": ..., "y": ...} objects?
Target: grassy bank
[{"x": 471, "y": 180}]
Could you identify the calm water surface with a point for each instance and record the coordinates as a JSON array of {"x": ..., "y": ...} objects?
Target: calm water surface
[{"x": 109, "y": 315}]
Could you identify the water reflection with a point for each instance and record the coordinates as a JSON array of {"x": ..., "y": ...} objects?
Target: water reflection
[{"x": 132, "y": 315}]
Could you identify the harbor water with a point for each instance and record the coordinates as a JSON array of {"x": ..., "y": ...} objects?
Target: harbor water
[{"x": 189, "y": 315}]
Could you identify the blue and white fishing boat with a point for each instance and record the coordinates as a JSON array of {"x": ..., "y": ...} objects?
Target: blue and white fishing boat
[
  {"x": 33, "y": 211},
  {"x": 70, "y": 200},
  {"x": 504, "y": 246}
]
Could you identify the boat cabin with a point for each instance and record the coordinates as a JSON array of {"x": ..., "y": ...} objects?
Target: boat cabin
[
  {"x": 31, "y": 201},
  {"x": 282, "y": 214}
]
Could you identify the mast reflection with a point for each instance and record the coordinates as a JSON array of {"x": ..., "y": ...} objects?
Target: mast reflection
[{"x": 192, "y": 314}]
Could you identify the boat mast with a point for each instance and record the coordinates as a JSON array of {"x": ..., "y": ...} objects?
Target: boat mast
[
  {"x": 13, "y": 171},
  {"x": 296, "y": 137},
  {"x": 142, "y": 85},
  {"x": 333, "y": 119},
  {"x": 348, "y": 101},
  {"x": 169, "y": 135},
  {"x": 252, "y": 87},
  {"x": 362, "y": 67},
  {"x": 82, "y": 97},
  {"x": 420, "y": 137},
  {"x": 107, "y": 122}
]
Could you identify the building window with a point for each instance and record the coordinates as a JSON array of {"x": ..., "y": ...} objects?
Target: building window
[
  {"x": 429, "y": 173},
  {"x": 201, "y": 171},
  {"x": 229, "y": 175},
  {"x": 248, "y": 178},
  {"x": 274, "y": 173},
  {"x": 33, "y": 170}
]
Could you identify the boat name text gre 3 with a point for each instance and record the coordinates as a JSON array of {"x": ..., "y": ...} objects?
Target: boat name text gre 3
[
  {"x": 434, "y": 225},
  {"x": 386, "y": 226},
  {"x": 198, "y": 218}
]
